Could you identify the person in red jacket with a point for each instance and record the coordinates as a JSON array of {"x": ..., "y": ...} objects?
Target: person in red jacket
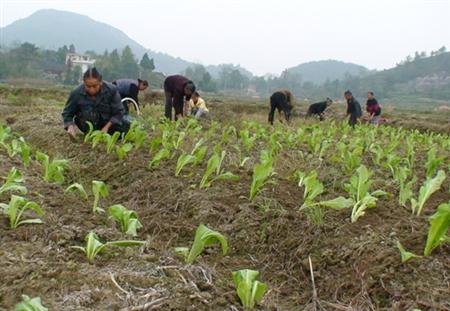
[
  {"x": 373, "y": 108},
  {"x": 177, "y": 90}
]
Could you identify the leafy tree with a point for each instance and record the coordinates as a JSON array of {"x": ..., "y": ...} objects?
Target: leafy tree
[
  {"x": 128, "y": 66},
  {"x": 147, "y": 64}
]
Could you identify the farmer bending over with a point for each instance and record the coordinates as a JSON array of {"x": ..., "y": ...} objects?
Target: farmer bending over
[
  {"x": 197, "y": 106},
  {"x": 319, "y": 108},
  {"x": 282, "y": 101},
  {"x": 178, "y": 90},
  {"x": 95, "y": 101},
  {"x": 373, "y": 108},
  {"x": 353, "y": 109},
  {"x": 130, "y": 88}
]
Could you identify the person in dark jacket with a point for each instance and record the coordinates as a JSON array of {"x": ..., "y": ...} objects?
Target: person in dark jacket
[
  {"x": 130, "y": 88},
  {"x": 282, "y": 101},
  {"x": 95, "y": 101},
  {"x": 373, "y": 108},
  {"x": 178, "y": 91},
  {"x": 353, "y": 109},
  {"x": 319, "y": 108}
]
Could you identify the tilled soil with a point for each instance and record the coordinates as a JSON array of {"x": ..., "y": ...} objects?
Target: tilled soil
[{"x": 356, "y": 266}]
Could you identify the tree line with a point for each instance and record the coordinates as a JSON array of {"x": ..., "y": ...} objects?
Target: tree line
[
  {"x": 28, "y": 61},
  {"x": 421, "y": 74}
]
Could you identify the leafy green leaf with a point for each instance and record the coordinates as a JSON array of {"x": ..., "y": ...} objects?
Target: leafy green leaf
[
  {"x": 30, "y": 304},
  {"x": 77, "y": 187},
  {"x": 405, "y": 255},
  {"x": 248, "y": 288},
  {"x": 439, "y": 225},
  {"x": 205, "y": 237},
  {"x": 426, "y": 190}
]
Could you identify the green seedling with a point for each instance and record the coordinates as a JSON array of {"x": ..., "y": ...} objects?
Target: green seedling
[
  {"x": 54, "y": 170},
  {"x": 215, "y": 166},
  {"x": 430, "y": 186},
  {"x": 94, "y": 246},
  {"x": 433, "y": 161},
  {"x": 405, "y": 255},
  {"x": 79, "y": 188},
  {"x": 195, "y": 157},
  {"x": 314, "y": 188},
  {"x": 99, "y": 189},
  {"x": 122, "y": 151},
  {"x": 13, "y": 148},
  {"x": 261, "y": 173},
  {"x": 30, "y": 304},
  {"x": 5, "y": 133},
  {"x": 136, "y": 134},
  {"x": 439, "y": 225},
  {"x": 203, "y": 237},
  {"x": 162, "y": 154},
  {"x": 13, "y": 182},
  {"x": 184, "y": 160},
  {"x": 15, "y": 209},
  {"x": 127, "y": 219},
  {"x": 111, "y": 141},
  {"x": 25, "y": 151},
  {"x": 249, "y": 289},
  {"x": 358, "y": 188}
]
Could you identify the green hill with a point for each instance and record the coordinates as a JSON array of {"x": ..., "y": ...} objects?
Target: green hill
[
  {"x": 318, "y": 72},
  {"x": 51, "y": 29}
]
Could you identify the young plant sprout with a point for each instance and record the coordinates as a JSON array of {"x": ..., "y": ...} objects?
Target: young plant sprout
[
  {"x": 99, "y": 189},
  {"x": 13, "y": 182},
  {"x": 203, "y": 237},
  {"x": 261, "y": 173},
  {"x": 122, "y": 150},
  {"x": 53, "y": 170},
  {"x": 195, "y": 157},
  {"x": 249, "y": 289},
  {"x": 30, "y": 304},
  {"x": 439, "y": 225},
  {"x": 162, "y": 154},
  {"x": 405, "y": 255},
  {"x": 25, "y": 151},
  {"x": 430, "y": 186},
  {"x": 94, "y": 246},
  {"x": 15, "y": 209},
  {"x": 358, "y": 188},
  {"x": 127, "y": 219},
  {"x": 215, "y": 166},
  {"x": 77, "y": 187}
]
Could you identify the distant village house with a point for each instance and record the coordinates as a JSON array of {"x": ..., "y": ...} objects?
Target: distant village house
[{"x": 75, "y": 59}]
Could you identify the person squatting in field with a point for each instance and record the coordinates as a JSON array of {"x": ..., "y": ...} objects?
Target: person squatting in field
[
  {"x": 319, "y": 109},
  {"x": 130, "y": 88},
  {"x": 353, "y": 109},
  {"x": 178, "y": 91},
  {"x": 95, "y": 101},
  {"x": 373, "y": 108},
  {"x": 282, "y": 101},
  {"x": 197, "y": 106}
]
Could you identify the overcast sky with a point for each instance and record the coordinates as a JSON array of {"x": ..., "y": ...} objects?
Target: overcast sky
[{"x": 267, "y": 35}]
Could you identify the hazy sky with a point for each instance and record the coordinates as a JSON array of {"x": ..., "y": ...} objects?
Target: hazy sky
[{"x": 267, "y": 35}]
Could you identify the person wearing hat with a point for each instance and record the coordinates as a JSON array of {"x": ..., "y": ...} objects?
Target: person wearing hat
[
  {"x": 353, "y": 109},
  {"x": 130, "y": 88},
  {"x": 178, "y": 91},
  {"x": 319, "y": 108}
]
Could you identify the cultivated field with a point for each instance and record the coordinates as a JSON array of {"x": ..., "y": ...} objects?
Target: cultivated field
[{"x": 285, "y": 198}]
